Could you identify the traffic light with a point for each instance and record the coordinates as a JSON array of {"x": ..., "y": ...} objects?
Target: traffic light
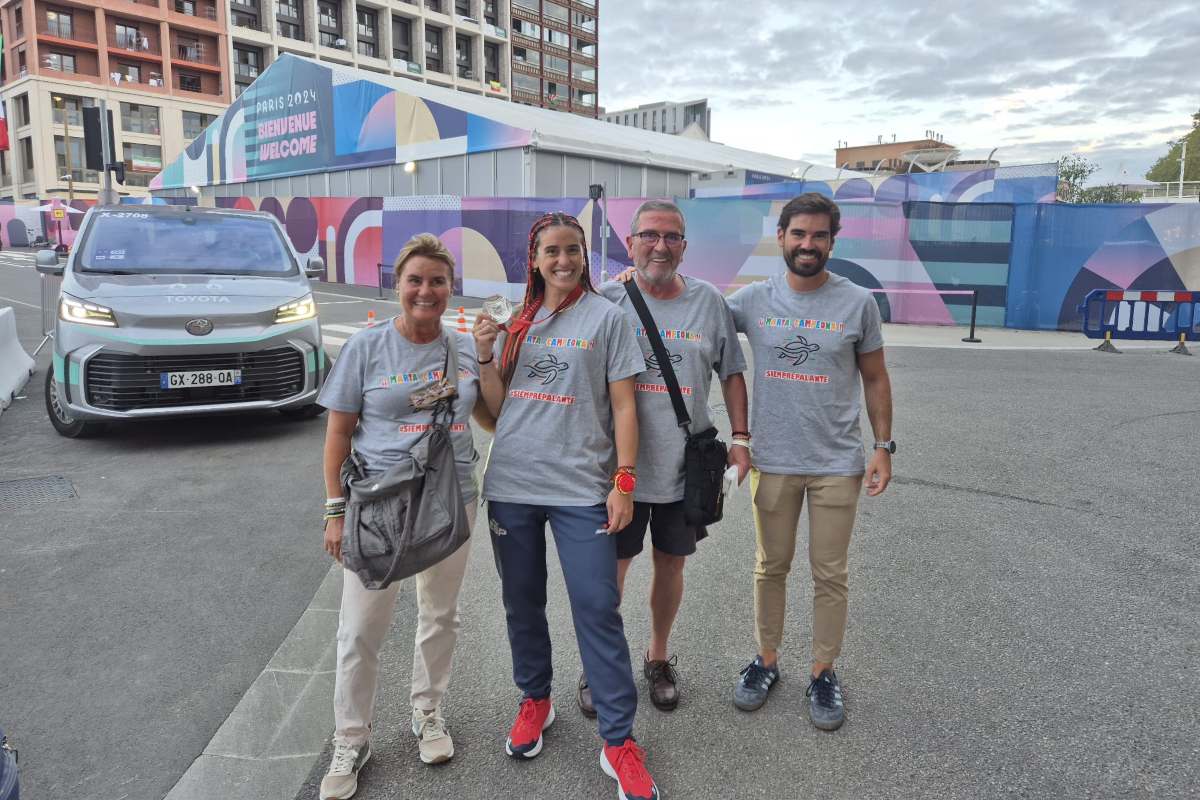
[{"x": 93, "y": 137}]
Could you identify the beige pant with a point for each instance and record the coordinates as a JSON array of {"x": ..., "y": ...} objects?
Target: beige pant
[
  {"x": 832, "y": 503},
  {"x": 363, "y": 623}
]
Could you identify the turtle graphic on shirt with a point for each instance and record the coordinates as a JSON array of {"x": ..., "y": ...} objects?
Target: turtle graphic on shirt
[
  {"x": 652, "y": 361},
  {"x": 548, "y": 368},
  {"x": 798, "y": 351}
]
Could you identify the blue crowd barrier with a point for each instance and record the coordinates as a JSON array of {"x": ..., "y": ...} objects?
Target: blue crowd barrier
[{"x": 1146, "y": 315}]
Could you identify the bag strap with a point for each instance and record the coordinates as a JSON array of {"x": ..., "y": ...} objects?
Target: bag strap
[
  {"x": 450, "y": 370},
  {"x": 660, "y": 353}
]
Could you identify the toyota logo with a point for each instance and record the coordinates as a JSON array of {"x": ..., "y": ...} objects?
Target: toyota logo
[{"x": 199, "y": 327}]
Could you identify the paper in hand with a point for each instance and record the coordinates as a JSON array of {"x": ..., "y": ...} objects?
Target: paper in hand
[{"x": 730, "y": 480}]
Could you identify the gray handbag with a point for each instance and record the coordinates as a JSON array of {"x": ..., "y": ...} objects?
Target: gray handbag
[{"x": 412, "y": 516}]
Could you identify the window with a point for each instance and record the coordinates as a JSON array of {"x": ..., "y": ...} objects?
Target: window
[
  {"x": 4, "y": 176},
  {"x": 244, "y": 20},
  {"x": 331, "y": 39},
  {"x": 556, "y": 64},
  {"x": 18, "y": 23},
  {"x": 138, "y": 118},
  {"x": 288, "y": 8},
  {"x": 23, "y": 117},
  {"x": 434, "y": 5},
  {"x": 654, "y": 121},
  {"x": 401, "y": 39},
  {"x": 367, "y": 49},
  {"x": 557, "y": 37},
  {"x": 552, "y": 92},
  {"x": 27, "y": 155},
  {"x": 462, "y": 8},
  {"x": 63, "y": 62},
  {"x": 526, "y": 82},
  {"x": 78, "y": 171},
  {"x": 247, "y": 62},
  {"x": 60, "y": 24},
  {"x": 290, "y": 30},
  {"x": 491, "y": 62},
  {"x": 526, "y": 28},
  {"x": 583, "y": 72},
  {"x": 588, "y": 99},
  {"x": 584, "y": 47},
  {"x": 528, "y": 5},
  {"x": 189, "y": 48},
  {"x": 142, "y": 162},
  {"x": 555, "y": 12},
  {"x": 433, "y": 48},
  {"x": 186, "y": 7},
  {"x": 328, "y": 16},
  {"x": 584, "y": 22},
  {"x": 128, "y": 37},
  {"x": 490, "y": 15},
  {"x": 462, "y": 56},
  {"x": 531, "y": 57},
  {"x": 195, "y": 122},
  {"x": 189, "y": 81},
  {"x": 366, "y": 23},
  {"x": 21, "y": 67},
  {"x": 131, "y": 72}
]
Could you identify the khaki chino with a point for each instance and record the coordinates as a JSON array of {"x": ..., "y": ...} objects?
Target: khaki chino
[{"x": 832, "y": 505}]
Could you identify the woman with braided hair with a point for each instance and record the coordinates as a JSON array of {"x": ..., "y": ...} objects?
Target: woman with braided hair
[{"x": 561, "y": 388}]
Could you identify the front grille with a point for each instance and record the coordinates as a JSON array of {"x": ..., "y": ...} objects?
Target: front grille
[{"x": 120, "y": 382}]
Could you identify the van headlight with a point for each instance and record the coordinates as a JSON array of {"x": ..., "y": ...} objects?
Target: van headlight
[
  {"x": 304, "y": 308},
  {"x": 71, "y": 309}
]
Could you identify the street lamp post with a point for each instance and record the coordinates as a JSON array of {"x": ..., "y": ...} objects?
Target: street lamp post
[{"x": 70, "y": 176}]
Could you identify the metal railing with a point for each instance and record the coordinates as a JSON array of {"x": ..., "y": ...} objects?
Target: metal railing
[
  {"x": 1169, "y": 189},
  {"x": 66, "y": 30}
]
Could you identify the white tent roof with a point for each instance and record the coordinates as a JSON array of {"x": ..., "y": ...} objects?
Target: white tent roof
[{"x": 563, "y": 132}]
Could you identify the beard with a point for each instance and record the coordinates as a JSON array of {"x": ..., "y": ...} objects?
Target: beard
[
  {"x": 805, "y": 270},
  {"x": 656, "y": 274}
]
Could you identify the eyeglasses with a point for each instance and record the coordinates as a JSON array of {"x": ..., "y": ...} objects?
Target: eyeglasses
[{"x": 652, "y": 237}]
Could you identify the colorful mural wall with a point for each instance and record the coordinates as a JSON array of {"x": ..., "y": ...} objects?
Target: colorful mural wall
[
  {"x": 1026, "y": 183},
  {"x": 302, "y": 117},
  {"x": 1032, "y": 264}
]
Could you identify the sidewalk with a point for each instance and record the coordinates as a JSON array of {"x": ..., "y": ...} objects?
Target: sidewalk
[{"x": 951, "y": 336}]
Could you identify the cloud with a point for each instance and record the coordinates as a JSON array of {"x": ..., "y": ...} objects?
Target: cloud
[{"x": 1038, "y": 79}]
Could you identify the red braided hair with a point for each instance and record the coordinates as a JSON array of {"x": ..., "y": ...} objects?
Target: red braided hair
[{"x": 535, "y": 288}]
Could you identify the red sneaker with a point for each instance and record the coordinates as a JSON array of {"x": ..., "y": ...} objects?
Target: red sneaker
[
  {"x": 525, "y": 738},
  {"x": 626, "y": 765}
]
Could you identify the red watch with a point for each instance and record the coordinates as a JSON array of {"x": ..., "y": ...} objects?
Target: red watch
[{"x": 625, "y": 480}]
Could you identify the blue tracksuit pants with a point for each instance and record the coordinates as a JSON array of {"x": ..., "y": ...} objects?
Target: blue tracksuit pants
[{"x": 589, "y": 565}]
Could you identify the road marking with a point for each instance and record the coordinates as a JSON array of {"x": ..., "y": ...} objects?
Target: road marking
[
  {"x": 341, "y": 302},
  {"x": 20, "y": 302},
  {"x": 361, "y": 299},
  {"x": 333, "y": 341},
  {"x": 342, "y": 328}
]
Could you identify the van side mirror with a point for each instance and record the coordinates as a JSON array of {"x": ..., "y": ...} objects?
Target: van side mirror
[
  {"x": 315, "y": 268},
  {"x": 47, "y": 262}
]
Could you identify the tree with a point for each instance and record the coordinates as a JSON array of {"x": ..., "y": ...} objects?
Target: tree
[
  {"x": 1166, "y": 169},
  {"x": 1073, "y": 170},
  {"x": 1109, "y": 193}
]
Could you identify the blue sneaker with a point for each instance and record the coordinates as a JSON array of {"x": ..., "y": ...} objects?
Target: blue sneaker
[
  {"x": 751, "y": 690},
  {"x": 825, "y": 707}
]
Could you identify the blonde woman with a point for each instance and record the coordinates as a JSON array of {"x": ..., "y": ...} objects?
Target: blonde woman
[{"x": 367, "y": 394}]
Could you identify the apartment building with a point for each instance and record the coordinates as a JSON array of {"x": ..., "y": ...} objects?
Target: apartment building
[
  {"x": 692, "y": 118},
  {"x": 554, "y": 54},
  {"x": 160, "y": 65},
  {"x": 461, "y": 44}
]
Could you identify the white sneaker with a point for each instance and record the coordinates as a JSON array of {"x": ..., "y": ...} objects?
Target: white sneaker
[
  {"x": 341, "y": 781},
  {"x": 436, "y": 745}
]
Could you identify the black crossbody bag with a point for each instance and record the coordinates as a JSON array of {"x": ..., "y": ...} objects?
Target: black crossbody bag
[{"x": 704, "y": 455}]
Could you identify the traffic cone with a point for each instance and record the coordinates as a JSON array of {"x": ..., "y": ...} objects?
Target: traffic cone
[
  {"x": 370, "y": 318},
  {"x": 462, "y": 320}
]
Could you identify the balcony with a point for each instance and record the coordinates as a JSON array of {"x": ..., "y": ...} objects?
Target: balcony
[
  {"x": 526, "y": 96},
  {"x": 66, "y": 32},
  {"x": 465, "y": 71},
  {"x": 190, "y": 8},
  {"x": 196, "y": 54},
  {"x": 139, "y": 45}
]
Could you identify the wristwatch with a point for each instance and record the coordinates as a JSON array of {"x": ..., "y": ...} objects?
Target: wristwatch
[{"x": 889, "y": 445}]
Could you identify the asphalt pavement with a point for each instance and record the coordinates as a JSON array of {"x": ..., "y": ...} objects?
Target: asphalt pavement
[{"x": 1024, "y": 616}]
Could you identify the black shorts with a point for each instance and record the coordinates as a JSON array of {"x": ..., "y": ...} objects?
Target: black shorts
[{"x": 669, "y": 531}]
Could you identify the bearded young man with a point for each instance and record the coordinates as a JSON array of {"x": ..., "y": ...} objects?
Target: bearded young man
[
  {"x": 697, "y": 332},
  {"x": 813, "y": 335}
]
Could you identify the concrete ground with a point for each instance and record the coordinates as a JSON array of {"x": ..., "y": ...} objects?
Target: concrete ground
[{"x": 1024, "y": 612}]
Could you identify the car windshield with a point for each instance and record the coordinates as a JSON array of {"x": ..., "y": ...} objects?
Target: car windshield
[{"x": 132, "y": 242}]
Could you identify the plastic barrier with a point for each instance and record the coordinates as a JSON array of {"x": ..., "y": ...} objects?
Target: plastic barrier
[
  {"x": 15, "y": 364},
  {"x": 1168, "y": 316}
]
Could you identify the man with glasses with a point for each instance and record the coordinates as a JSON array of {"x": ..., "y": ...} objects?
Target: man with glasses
[{"x": 697, "y": 330}]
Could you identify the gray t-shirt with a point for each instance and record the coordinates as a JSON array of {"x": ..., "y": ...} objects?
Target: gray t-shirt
[
  {"x": 806, "y": 382},
  {"x": 554, "y": 442},
  {"x": 697, "y": 332},
  {"x": 374, "y": 375}
]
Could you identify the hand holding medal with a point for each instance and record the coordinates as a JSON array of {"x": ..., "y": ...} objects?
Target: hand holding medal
[{"x": 497, "y": 313}]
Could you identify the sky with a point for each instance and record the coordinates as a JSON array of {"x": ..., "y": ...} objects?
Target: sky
[{"x": 1114, "y": 81}]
